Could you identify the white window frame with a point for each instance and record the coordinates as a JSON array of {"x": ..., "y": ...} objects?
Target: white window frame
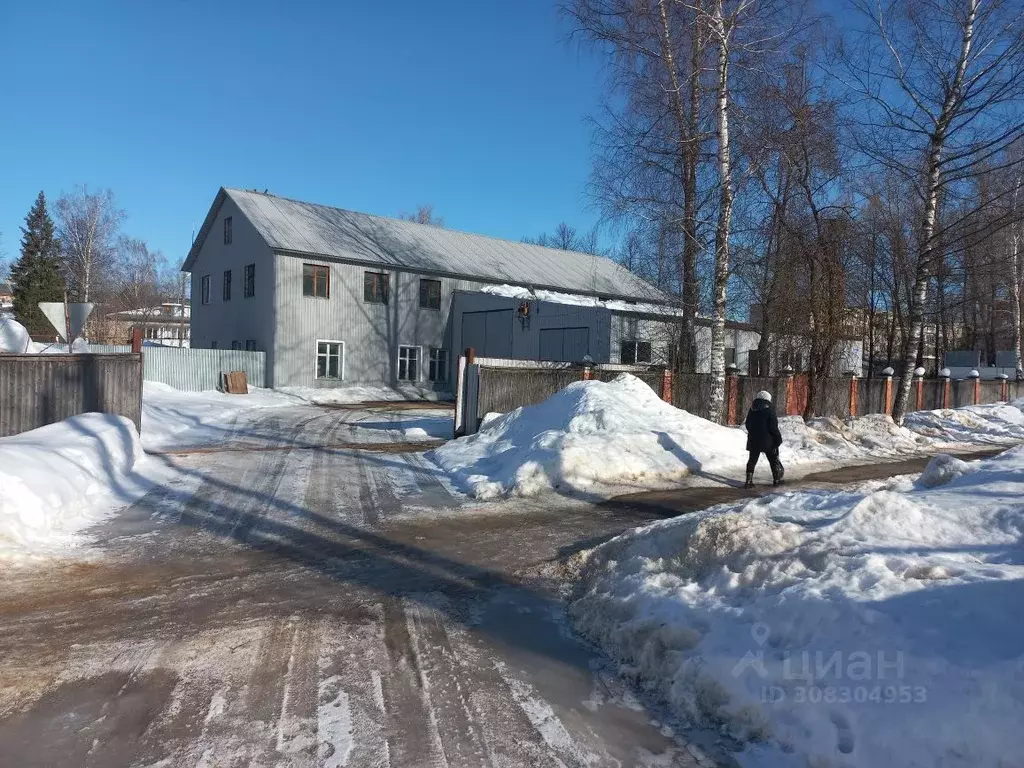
[
  {"x": 430, "y": 352},
  {"x": 419, "y": 362},
  {"x": 316, "y": 355}
]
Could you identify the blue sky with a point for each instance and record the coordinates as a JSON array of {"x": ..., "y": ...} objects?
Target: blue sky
[{"x": 476, "y": 107}]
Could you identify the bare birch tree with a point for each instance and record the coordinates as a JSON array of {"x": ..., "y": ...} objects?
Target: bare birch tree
[
  {"x": 87, "y": 227},
  {"x": 942, "y": 80}
]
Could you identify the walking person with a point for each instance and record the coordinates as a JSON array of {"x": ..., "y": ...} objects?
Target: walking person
[{"x": 763, "y": 436}]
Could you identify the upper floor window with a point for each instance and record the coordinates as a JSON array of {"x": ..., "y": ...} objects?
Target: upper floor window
[
  {"x": 250, "y": 345},
  {"x": 633, "y": 352},
  {"x": 205, "y": 298},
  {"x": 249, "y": 289},
  {"x": 227, "y": 285},
  {"x": 316, "y": 281},
  {"x": 236, "y": 345},
  {"x": 227, "y": 231},
  {"x": 375, "y": 287},
  {"x": 430, "y": 294}
]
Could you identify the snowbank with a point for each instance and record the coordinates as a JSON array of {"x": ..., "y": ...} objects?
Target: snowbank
[
  {"x": 1001, "y": 423},
  {"x": 14, "y": 338},
  {"x": 589, "y": 434},
  {"x": 603, "y": 437},
  {"x": 358, "y": 393},
  {"x": 859, "y": 629},
  {"x": 58, "y": 479},
  {"x": 172, "y": 418}
]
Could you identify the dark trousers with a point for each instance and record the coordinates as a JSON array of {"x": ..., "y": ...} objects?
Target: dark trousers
[{"x": 773, "y": 462}]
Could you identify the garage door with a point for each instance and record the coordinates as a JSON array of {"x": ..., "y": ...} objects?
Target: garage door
[
  {"x": 489, "y": 333},
  {"x": 568, "y": 345}
]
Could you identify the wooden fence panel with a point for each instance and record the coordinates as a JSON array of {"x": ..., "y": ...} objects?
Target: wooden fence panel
[
  {"x": 991, "y": 392},
  {"x": 963, "y": 393},
  {"x": 36, "y": 390},
  {"x": 692, "y": 392},
  {"x": 505, "y": 389}
]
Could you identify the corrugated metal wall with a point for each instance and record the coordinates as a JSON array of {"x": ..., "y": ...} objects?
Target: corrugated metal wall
[
  {"x": 195, "y": 370},
  {"x": 36, "y": 390},
  {"x": 371, "y": 333}
]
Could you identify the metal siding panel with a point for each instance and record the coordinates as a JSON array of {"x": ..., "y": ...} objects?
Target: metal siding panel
[
  {"x": 372, "y": 333},
  {"x": 239, "y": 318},
  {"x": 196, "y": 370}
]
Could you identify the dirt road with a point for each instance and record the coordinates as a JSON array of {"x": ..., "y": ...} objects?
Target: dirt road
[
  {"x": 324, "y": 606},
  {"x": 313, "y": 606}
]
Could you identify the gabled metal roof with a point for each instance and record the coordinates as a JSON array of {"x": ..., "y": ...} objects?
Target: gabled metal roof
[{"x": 318, "y": 230}]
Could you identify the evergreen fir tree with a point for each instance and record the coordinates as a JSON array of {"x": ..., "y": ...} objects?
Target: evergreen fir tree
[{"x": 36, "y": 275}]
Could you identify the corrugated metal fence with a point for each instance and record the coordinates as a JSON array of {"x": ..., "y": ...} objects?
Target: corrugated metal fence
[
  {"x": 36, "y": 390},
  {"x": 196, "y": 370}
]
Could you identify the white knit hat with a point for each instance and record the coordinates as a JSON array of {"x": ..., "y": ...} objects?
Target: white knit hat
[{"x": 763, "y": 395}]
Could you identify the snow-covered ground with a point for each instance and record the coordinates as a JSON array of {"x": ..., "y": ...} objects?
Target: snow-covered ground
[
  {"x": 863, "y": 629},
  {"x": 603, "y": 438},
  {"x": 172, "y": 418},
  {"x": 360, "y": 393},
  {"x": 56, "y": 480}
]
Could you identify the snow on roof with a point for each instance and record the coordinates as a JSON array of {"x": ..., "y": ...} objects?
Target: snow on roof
[
  {"x": 310, "y": 229},
  {"x": 579, "y": 300}
]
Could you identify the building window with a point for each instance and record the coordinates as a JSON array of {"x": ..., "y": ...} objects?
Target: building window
[
  {"x": 236, "y": 345},
  {"x": 206, "y": 289},
  {"x": 730, "y": 355},
  {"x": 250, "y": 345},
  {"x": 227, "y": 231},
  {"x": 635, "y": 352},
  {"x": 375, "y": 287},
  {"x": 437, "y": 369},
  {"x": 408, "y": 363},
  {"x": 330, "y": 360},
  {"x": 213, "y": 345},
  {"x": 316, "y": 281},
  {"x": 430, "y": 294},
  {"x": 249, "y": 289},
  {"x": 227, "y": 285}
]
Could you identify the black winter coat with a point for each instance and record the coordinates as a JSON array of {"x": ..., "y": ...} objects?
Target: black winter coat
[{"x": 762, "y": 428}]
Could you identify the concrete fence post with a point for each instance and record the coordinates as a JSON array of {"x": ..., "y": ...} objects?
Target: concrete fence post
[
  {"x": 945, "y": 387},
  {"x": 732, "y": 393},
  {"x": 887, "y": 375},
  {"x": 787, "y": 390},
  {"x": 977, "y": 386},
  {"x": 666, "y": 385},
  {"x": 919, "y": 383}
]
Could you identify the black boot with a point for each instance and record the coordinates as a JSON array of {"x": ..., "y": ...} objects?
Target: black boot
[
  {"x": 777, "y": 479},
  {"x": 750, "y": 480}
]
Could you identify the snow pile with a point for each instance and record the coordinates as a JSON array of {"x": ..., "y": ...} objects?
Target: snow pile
[
  {"x": 58, "y": 479},
  {"x": 858, "y": 629},
  {"x": 172, "y": 418},
  {"x": 351, "y": 394},
  {"x": 873, "y": 436},
  {"x": 577, "y": 300},
  {"x": 590, "y": 433},
  {"x": 1000, "y": 424},
  {"x": 14, "y": 338}
]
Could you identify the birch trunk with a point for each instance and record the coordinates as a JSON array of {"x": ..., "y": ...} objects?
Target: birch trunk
[
  {"x": 926, "y": 244},
  {"x": 686, "y": 130},
  {"x": 716, "y": 405}
]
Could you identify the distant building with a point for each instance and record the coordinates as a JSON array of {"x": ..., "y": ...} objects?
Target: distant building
[{"x": 167, "y": 324}]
